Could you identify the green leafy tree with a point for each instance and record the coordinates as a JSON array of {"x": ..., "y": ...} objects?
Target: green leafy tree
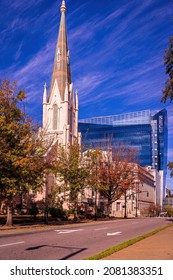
[
  {"x": 22, "y": 161},
  {"x": 168, "y": 90},
  {"x": 170, "y": 166},
  {"x": 72, "y": 170},
  {"x": 94, "y": 159},
  {"x": 168, "y": 61}
]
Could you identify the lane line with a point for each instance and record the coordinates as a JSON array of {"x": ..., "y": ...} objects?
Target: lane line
[
  {"x": 10, "y": 244},
  {"x": 114, "y": 233},
  {"x": 67, "y": 230},
  {"x": 100, "y": 228}
]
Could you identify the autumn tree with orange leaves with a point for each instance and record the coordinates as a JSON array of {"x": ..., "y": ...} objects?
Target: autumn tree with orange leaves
[
  {"x": 22, "y": 162},
  {"x": 116, "y": 174}
]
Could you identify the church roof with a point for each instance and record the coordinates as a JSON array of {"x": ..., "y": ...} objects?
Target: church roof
[{"x": 61, "y": 69}]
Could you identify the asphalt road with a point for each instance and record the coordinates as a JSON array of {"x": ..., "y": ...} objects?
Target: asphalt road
[{"x": 74, "y": 242}]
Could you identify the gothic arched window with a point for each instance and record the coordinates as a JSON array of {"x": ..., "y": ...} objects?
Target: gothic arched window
[{"x": 55, "y": 117}]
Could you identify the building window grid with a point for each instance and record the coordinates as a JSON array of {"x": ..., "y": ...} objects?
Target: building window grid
[{"x": 141, "y": 117}]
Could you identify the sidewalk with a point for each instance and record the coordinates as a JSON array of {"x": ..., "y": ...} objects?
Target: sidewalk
[{"x": 156, "y": 247}]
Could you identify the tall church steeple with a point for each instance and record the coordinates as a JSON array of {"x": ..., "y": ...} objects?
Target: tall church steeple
[
  {"x": 61, "y": 69},
  {"x": 60, "y": 108}
]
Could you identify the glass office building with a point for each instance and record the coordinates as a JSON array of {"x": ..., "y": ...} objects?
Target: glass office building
[{"x": 141, "y": 130}]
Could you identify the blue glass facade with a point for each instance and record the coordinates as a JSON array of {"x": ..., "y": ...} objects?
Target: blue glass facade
[
  {"x": 162, "y": 135},
  {"x": 141, "y": 130},
  {"x": 162, "y": 142}
]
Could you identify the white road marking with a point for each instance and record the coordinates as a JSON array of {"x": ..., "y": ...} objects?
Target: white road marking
[
  {"x": 67, "y": 230},
  {"x": 114, "y": 233},
  {"x": 134, "y": 223},
  {"x": 10, "y": 244},
  {"x": 101, "y": 228}
]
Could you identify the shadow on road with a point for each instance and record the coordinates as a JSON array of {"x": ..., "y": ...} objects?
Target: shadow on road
[
  {"x": 170, "y": 219},
  {"x": 35, "y": 248},
  {"x": 73, "y": 254},
  {"x": 77, "y": 250}
]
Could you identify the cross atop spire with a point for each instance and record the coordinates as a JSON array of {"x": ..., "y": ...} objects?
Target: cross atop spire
[
  {"x": 63, "y": 7},
  {"x": 61, "y": 69}
]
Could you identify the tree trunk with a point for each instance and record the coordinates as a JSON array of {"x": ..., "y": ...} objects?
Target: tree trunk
[
  {"x": 95, "y": 214},
  {"x": 9, "y": 221},
  {"x": 109, "y": 207},
  {"x": 76, "y": 212}
]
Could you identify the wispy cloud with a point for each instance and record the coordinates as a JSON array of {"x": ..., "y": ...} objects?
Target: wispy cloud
[
  {"x": 28, "y": 74},
  {"x": 18, "y": 52},
  {"x": 87, "y": 85},
  {"x": 136, "y": 79},
  {"x": 21, "y": 6}
]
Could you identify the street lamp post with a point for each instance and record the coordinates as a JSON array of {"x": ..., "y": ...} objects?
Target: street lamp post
[
  {"x": 125, "y": 202},
  {"x": 136, "y": 206},
  {"x": 137, "y": 192},
  {"x": 46, "y": 204},
  {"x": 125, "y": 206}
]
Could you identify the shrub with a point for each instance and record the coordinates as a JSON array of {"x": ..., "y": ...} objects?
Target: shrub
[
  {"x": 169, "y": 210},
  {"x": 33, "y": 210},
  {"x": 58, "y": 213}
]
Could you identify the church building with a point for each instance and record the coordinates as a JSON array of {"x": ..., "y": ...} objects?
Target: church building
[{"x": 60, "y": 103}]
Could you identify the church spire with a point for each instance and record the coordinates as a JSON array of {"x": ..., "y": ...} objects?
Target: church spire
[{"x": 61, "y": 69}]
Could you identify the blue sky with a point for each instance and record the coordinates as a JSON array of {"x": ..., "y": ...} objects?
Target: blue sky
[{"x": 116, "y": 50}]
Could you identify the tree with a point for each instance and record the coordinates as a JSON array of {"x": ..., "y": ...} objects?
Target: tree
[
  {"x": 170, "y": 166},
  {"x": 116, "y": 175},
  {"x": 22, "y": 161},
  {"x": 127, "y": 181},
  {"x": 95, "y": 159},
  {"x": 168, "y": 90},
  {"x": 152, "y": 210},
  {"x": 168, "y": 61},
  {"x": 71, "y": 169},
  {"x": 109, "y": 181},
  {"x": 169, "y": 210}
]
